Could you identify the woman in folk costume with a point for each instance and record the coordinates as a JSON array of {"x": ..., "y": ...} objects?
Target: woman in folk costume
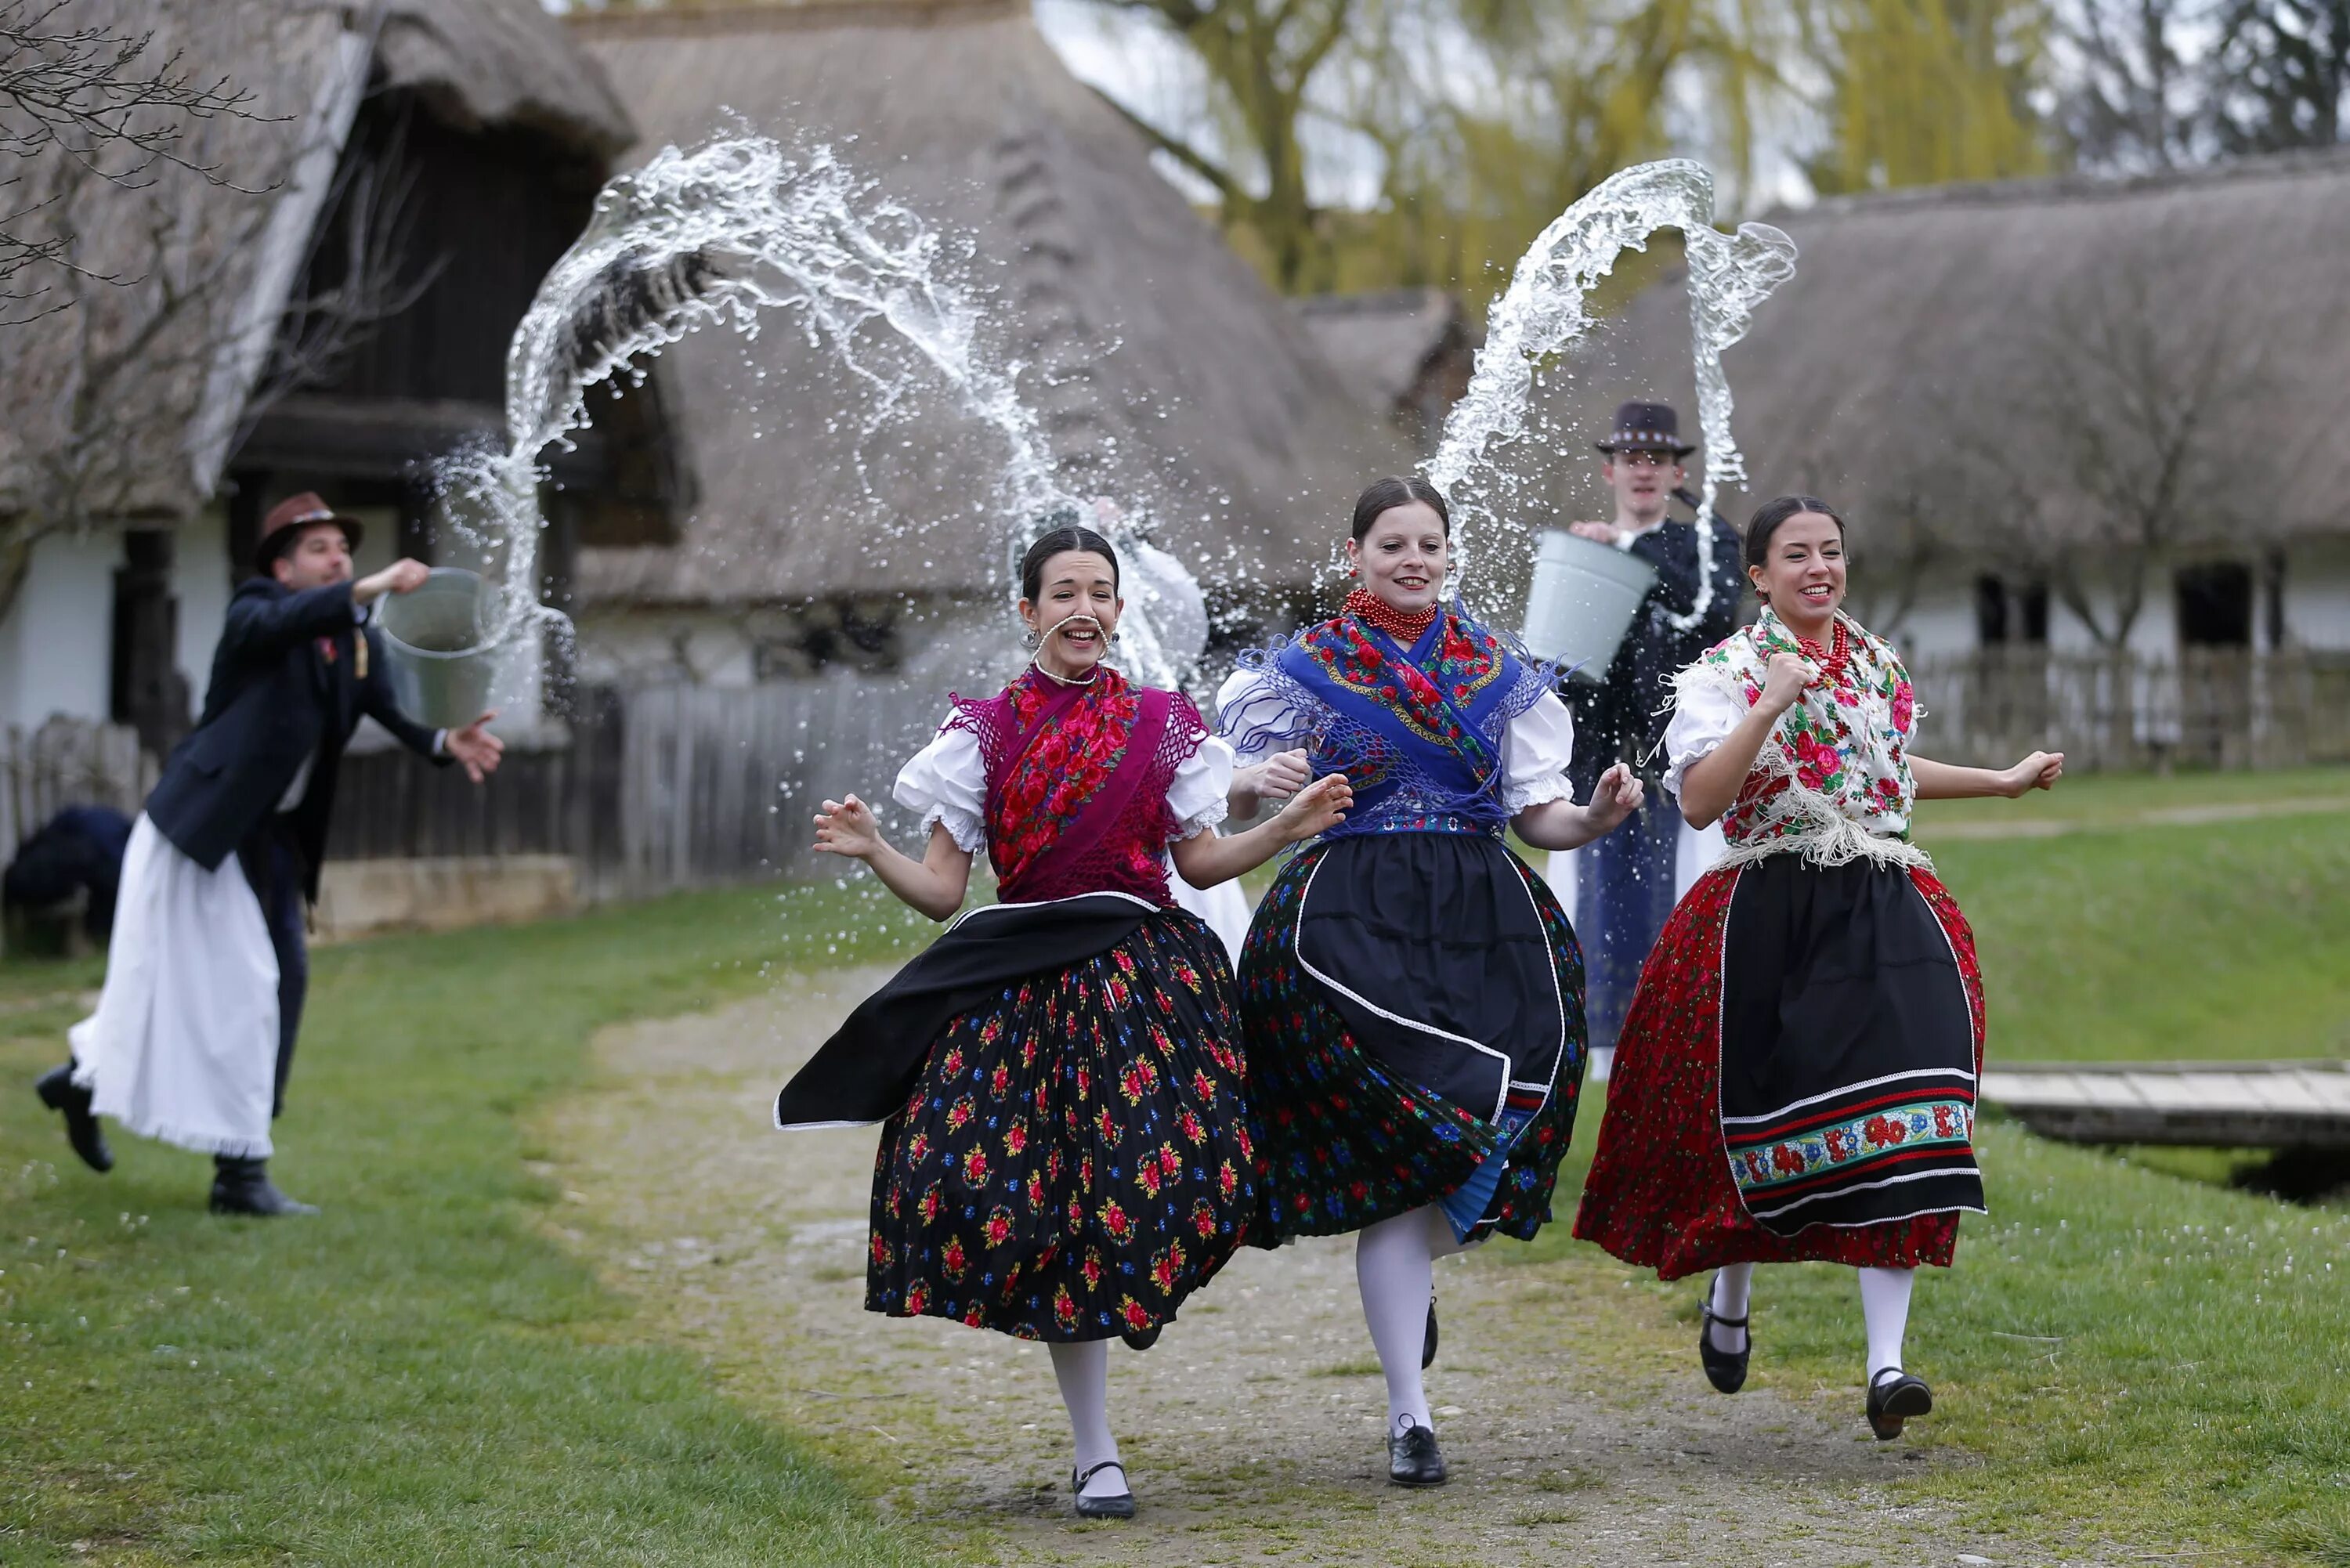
[
  {"x": 1412, "y": 993},
  {"x": 1797, "y": 1080},
  {"x": 1065, "y": 1156}
]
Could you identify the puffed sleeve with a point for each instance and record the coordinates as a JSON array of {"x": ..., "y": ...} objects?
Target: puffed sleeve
[
  {"x": 1535, "y": 751},
  {"x": 1195, "y": 800},
  {"x": 1257, "y": 719},
  {"x": 1703, "y": 715},
  {"x": 947, "y": 782}
]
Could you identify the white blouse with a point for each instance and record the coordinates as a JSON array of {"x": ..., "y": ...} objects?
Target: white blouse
[
  {"x": 1703, "y": 716},
  {"x": 947, "y": 782},
  {"x": 1535, "y": 749}
]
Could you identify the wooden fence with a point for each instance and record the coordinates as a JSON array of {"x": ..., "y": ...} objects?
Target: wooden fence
[
  {"x": 66, "y": 761},
  {"x": 685, "y": 785},
  {"x": 2215, "y": 708},
  {"x": 664, "y": 787}
]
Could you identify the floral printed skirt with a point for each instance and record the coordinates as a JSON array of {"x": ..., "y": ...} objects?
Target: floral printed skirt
[
  {"x": 1675, "y": 1189},
  {"x": 1075, "y": 1159},
  {"x": 1349, "y": 1131}
]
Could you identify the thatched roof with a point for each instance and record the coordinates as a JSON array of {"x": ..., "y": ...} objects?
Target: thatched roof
[
  {"x": 1162, "y": 371},
  {"x": 1381, "y": 343},
  {"x": 1931, "y": 338},
  {"x": 232, "y": 245},
  {"x": 497, "y": 62}
]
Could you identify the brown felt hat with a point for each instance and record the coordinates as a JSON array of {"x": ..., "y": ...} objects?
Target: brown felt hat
[{"x": 287, "y": 519}]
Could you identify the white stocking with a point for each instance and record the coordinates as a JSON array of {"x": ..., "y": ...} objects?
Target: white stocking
[
  {"x": 1885, "y": 1307},
  {"x": 1393, "y": 1268},
  {"x": 1083, "y": 1373},
  {"x": 1732, "y": 1293}
]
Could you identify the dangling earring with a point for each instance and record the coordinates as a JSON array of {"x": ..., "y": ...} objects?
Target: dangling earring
[{"x": 1032, "y": 639}]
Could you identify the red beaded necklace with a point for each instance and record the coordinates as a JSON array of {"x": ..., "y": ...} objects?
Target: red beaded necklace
[
  {"x": 1404, "y": 626},
  {"x": 1833, "y": 658}
]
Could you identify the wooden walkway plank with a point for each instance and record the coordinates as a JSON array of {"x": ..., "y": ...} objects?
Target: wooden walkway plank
[{"x": 2259, "y": 1105}]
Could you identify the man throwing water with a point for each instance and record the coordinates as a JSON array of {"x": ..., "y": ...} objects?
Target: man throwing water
[
  {"x": 1622, "y": 886},
  {"x": 204, "y": 979}
]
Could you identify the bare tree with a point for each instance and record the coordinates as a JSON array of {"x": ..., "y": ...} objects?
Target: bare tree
[
  {"x": 2129, "y": 97},
  {"x": 157, "y": 292},
  {"x": 100, "y": 99},
  {"x": 2114, "y": 451}
]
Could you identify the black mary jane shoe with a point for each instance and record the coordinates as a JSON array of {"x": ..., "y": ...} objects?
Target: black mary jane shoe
[
  {"x": 1413, "y": 1458},
  {"x": 1893, "y": 1397},
  {"x": 1428, "y": 1338},
  {"x": 1143, "y": 1340},
  {"x": 59, "y": 1092},
  {"x": 243, "y": 1187},
  {"x": 1118, "y": 1507},
  {"x": 1725, "y": 1370}
]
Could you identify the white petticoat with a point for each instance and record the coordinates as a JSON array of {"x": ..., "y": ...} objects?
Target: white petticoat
[{"x": 183, "y": 1045}]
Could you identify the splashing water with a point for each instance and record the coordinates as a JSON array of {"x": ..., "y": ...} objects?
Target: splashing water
[
  {"x": 1544, "y": 312},
  {"x": 725, "y": 235}
]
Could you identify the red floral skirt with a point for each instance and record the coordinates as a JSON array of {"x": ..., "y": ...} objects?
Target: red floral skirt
[
  {"x": 1660, "y": 1192},
  {"x": 1074, "y": 1158}
]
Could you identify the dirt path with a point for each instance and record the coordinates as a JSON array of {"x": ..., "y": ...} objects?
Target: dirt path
[{"x": 1576, "y": 1424}]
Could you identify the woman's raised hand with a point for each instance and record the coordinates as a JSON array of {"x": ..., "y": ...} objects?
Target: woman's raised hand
[
  {"x": 1316, "y": 809},
  {"x": 846, "y": 827},
  {"x": 2041, "y": 770},
  {"x": 1783, "y": 683},
  {"x": 1616, "y": 797},
  {"x": 1279, "y": 776}
]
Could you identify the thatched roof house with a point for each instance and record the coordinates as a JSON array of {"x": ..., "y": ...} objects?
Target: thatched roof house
[
  {"x": 2076, "y": 408},
  {"x": 1162, "y": 372},
  {"x": 457, "y": 143}
]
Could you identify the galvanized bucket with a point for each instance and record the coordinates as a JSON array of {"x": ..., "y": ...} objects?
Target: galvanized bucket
[
  {"x": 438, "y": 649},
  {"x": 1583, "y": 601}
]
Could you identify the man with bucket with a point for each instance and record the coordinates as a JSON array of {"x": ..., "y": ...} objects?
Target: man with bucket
[
  {"x": 1624, "y": 885},
  {"x": 205, "y": 978}
]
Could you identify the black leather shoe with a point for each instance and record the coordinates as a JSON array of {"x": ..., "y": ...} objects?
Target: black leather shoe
[
  {"x": 243, "y": 1187},
  {"x": 1428, "y": 1339},
  {"x": 1118, "y": 1507},
  {"x": 1144, "y": 1340},
  {"x": 59, "y": 1092},
  {"x": 1725, "y": 1370},
  {"x": 1413, "y": 1458},
  {"x": 1893, "y": 1398}
]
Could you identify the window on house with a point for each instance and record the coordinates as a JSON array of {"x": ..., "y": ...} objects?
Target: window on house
[
  {"x": 1991, "y": 611},
  {"x": 2009, "y": 612},
  {"x": 2215, "y": 605}
]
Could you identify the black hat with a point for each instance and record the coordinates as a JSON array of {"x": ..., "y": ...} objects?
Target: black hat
[
  {"x": 289, "y": 517},
  {"x": 1646, "y": 427}
]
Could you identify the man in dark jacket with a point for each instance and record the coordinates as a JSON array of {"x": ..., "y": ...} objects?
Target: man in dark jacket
[
  {"x": 195, "y": 1031},
  {"x": 1626, "y": 883}
]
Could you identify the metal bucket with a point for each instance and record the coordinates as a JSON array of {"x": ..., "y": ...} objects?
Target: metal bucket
[
  {"x": 1583, "y": 601},
  {"x": 437, "y": 650}
]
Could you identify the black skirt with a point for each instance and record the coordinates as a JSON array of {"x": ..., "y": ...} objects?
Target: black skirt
[
  {"x": 1414, "y": 1005},
  {"x": 1071, "y": 1158},
  {"x": 1848, "y": 1049}
]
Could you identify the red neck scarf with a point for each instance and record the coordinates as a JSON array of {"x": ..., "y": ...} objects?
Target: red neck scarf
[{"x": 1404, "y": 627}]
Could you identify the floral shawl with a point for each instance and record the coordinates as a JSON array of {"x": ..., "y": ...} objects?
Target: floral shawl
[
  {"x": 1833, "y": 782},
  {"x": 1418, "y": 731},
  {"x": 1077, "y": 784}
]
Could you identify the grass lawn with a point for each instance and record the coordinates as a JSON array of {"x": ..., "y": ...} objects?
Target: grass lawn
[
  {"x": 2230, "y": 938},
  {"x": 416, "y": 1376},
  {"x": 2124, "y": 1348}
]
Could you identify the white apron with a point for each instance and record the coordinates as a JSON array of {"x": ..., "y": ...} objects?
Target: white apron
[{"x": 183, "y": 1045}]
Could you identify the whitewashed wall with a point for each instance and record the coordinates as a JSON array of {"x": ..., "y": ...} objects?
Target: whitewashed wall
[{"x": 56, "y": 641}]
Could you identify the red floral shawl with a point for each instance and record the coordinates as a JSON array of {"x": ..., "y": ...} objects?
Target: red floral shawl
[{"x": 1077, "y": 784}]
